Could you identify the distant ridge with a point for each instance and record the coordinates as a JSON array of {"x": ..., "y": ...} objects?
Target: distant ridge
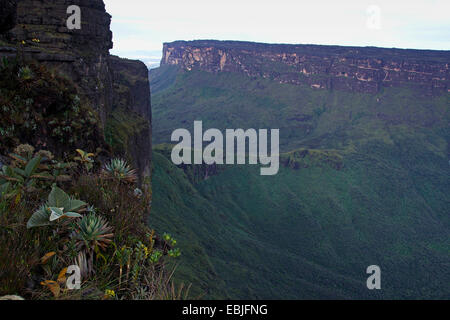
[{"x": 355, "y": 69}]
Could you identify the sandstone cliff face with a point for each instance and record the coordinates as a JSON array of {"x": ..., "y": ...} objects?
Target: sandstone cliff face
[
  {"x": 353, "y": 69},
  {"x": 107, "y": 83}
]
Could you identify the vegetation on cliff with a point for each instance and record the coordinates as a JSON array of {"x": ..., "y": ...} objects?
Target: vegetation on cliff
[
  {"x": 56, "y": 214},
  {"x": 61, "y": 92},
  {"x": 364, "y": 182},
  {"x": 36, "y": 32},
  {"x": 43, "y": 108},
  {"x": 61, "y": 206}
]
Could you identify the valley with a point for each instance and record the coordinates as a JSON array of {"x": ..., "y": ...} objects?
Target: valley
[{"x": 363, "y": 180}]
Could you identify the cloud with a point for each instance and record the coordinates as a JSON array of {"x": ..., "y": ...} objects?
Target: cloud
[{"x": 142, "y": 25}]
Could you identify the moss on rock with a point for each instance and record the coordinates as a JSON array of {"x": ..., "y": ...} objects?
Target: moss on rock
[{"x": 42, "y": 108}]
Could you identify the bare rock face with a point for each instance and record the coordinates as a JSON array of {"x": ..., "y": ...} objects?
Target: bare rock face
[
  {"x": 81, "y": 54},
  {"x": 354, "y": 69},
  {"x": 40, "y": 34},
  {"x": 47, "y": 21},
  {"x": 131, "y": 89},
  {"x": 7, "y": 14}
]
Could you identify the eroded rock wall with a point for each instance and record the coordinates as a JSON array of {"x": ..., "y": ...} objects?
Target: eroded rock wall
[
  {"x": 354, "y": 69},
  {"x": 36, "y": 31}
]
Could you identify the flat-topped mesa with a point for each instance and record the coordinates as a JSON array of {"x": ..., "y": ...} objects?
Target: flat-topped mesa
[{"x": 355, "y": 69}]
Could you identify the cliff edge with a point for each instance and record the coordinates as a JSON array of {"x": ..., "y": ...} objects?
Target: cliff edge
[
  {"x": 354, "y": 69},
  {"x": 36, "y": 32}
]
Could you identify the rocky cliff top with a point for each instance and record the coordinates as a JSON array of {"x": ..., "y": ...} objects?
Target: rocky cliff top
[
  {"x": 46, "y": 21},
  {"x": 359, "y": 69}
]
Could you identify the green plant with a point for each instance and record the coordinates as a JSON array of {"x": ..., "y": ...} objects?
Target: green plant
[
  {"x": 28, "y": 173},
  {"x": 123, "y": 256},
  {"x": 58, "y": 171},
  {"x": 25, "y": 73},
  {"x": 4, "y": 63},
  {"x": 59, "y": 205},
  {"x": 155, "y": 256},
  {"x": 92, "y": 232},
  {"x": 174, "y": 253},
  {"x": 24, "y": 179},
  {"x": 24, "y": 152},
  {"x": 45, "y": 155},
  {"x": 4, "y": 189},
  {"x": 43, "y": 108},
  {"x": 78, "y": 234},
  {"x": 119, "y": 170},
  {"x": 169, "y": 239},
  {"x": 85, "y": 159}
]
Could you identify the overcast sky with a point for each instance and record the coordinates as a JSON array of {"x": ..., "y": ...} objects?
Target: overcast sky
[{"x": 141, "y": 26}]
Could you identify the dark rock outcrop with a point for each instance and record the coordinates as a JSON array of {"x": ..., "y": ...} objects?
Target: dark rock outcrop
[
  {"x": 40, "y": 34},
  {"x": 355, "y": 69},
  {"x": 131, "y": 94},
  {"x": 8, "y": 14},
  {"x": 81, "y": 54}
]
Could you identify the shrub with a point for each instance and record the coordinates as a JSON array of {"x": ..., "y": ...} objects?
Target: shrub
[
  {"x": 91, "y": 234},
  {"x": 119, "y": 170},
  {"x": 29, "y": 173},
  {"x": 85, "y": 159},
  {"x": 38, "y": 106},
  {"x": 59, "y": 205},
  {"x": 104, "y": 234}
]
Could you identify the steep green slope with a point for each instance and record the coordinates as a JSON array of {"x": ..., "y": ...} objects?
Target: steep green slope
[
  {"x": 305, "y": 116},
  {"x": 307, "y": 233},
  {"x": 179, "y": 209},
  {"x": 162, "y": 78},
  {"x": 310, "y": 232}
]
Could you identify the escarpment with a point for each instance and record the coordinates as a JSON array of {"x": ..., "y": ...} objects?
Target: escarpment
[
  {"x": 36, "y": 32},
  {"x": 353, "y": 69}
]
